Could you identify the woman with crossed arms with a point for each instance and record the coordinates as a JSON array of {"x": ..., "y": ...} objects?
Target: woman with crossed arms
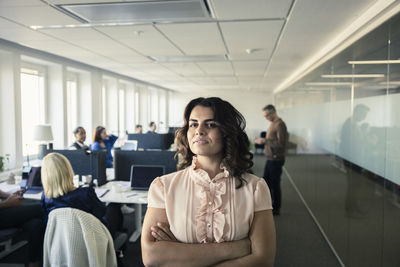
[{"x": 212, "y": 212}]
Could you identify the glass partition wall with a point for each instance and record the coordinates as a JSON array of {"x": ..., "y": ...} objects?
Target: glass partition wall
[{"x": 345, "y": 119}]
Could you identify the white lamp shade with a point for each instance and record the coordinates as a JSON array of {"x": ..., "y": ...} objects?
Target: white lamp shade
[{"x": 43, "y": 133}]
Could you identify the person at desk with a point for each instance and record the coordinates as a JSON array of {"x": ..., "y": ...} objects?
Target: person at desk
[
  {"x": 138, "y": 129},
  {"x": 60, "y": 192},
  {"x": 15, "y": 211},
  {"x": 102, "y": 141},
  {"x": 152, "y": 128},
  {"x": 216, "y": 213},
  {"x": 80, "y": 137}
]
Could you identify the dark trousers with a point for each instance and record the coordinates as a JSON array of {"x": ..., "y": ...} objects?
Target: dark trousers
[
  {"x": 29, "y": 217},
  {"x": 272, "y": 175}
]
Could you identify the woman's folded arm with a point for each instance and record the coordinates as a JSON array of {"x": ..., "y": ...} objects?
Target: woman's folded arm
[{"x": 170, "y": 253}]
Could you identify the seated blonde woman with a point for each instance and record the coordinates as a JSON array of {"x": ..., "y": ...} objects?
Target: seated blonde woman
[
  {"x": 212, "y": 211},
  {"x": 60, "y": 192}
]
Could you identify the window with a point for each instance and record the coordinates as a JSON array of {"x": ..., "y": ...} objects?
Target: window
[
  {"x": 32, "y": 106},
  {"x": 137, "y": 117},
  {"x": 103, "y": 102},
  {"x": 72, "y": 105},
  {"x": 121, "y": 112}
]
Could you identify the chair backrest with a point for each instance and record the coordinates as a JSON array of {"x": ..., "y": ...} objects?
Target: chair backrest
[{"x": 77, "y": 238}]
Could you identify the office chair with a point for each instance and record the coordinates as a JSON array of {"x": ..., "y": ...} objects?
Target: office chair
[
  {"x": 258, "y": 146},
  {"x": 77, "y": 238}
]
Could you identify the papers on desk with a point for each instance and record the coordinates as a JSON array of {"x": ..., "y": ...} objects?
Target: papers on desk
[{"x": 100, "y": 192}]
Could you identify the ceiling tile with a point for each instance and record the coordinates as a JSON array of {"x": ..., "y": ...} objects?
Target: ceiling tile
[
  {"x": 185, "y": 69},
  {"x": 191, "y": 38},
  {"x": 20, "y": 3},
  {"x": 225, "y": 80},
  {"x": 239, "y": 9},
  {"x": 216, "y": 68},
  {"x": 249, "y": 67},
  {"x": 37, "y": 15},
  {"x": 19, "y": 34},
  {"x": 144, "y": 38},
  {"x": 257, "y": 35},
  {"x": 75, "y": 34}
]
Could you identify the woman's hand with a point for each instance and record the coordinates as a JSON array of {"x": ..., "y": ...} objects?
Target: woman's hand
[
  {"x": 161, "y": 232},
  {"x": 12, "y": 201}
]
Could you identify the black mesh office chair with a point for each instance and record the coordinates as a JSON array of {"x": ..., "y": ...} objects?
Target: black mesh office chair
[{"x": 258, "y": 146}]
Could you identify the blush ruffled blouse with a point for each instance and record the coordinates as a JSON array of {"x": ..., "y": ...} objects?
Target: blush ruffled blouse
[{"x": 204, "y": 210}]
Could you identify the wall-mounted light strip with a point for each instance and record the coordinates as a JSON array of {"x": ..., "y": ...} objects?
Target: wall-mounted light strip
[
  {"x": 390, "y": 83},
  {"x": 373, "y": 62},
  {"x": 328, "y": 84},
  {"x": 353, "y": 75}
]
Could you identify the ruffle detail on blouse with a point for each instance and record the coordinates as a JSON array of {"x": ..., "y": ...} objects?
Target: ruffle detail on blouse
[{"x": 211, "y": 191}]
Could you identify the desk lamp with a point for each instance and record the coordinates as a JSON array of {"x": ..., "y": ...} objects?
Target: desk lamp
[{"x": 43, "y": 134}]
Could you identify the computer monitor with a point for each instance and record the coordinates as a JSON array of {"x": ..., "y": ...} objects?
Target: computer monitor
[
  {"x": 86, "y": 162},
  {"x": 143, "y": 175},
  {"x": 123, "y": 160}
]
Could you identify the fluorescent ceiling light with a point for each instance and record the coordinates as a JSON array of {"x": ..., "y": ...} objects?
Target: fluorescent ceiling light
[
  {"x": 372, "y": 62},
  {"x": 353, "y": 75},
  {"x": 390, "y": 83},
  {"x": 205, "y": 58},
  {"x": 328, "y": 83}
]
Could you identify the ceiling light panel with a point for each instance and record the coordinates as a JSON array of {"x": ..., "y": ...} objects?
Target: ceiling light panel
[
  {"x": 36, "y": 15},
  {"x": 140, "y": 11},
  {"x": 150, "y": 42},
  {"x": 193, "y": 38},
  {"x": 240, "y": 36},
  {"x": 239, "y": 9}
]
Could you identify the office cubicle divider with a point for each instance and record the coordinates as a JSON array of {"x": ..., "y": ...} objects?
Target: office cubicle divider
[
  {"x": 153, "y": 141},
  {"x": 123, "y": 160},
  {"x": 86, "y": 162}
]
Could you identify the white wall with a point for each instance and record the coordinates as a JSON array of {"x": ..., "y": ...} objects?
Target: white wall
[{"x": 250, "y": 104}]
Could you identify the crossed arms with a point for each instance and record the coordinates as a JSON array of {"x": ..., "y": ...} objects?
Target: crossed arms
[{"x": 160, "y": 247}]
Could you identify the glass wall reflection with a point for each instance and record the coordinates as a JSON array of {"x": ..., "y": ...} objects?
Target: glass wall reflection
[{"x": 344, "y": 118}]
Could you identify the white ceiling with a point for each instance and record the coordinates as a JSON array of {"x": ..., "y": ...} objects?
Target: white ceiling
[{"x": 281, "y": 34}]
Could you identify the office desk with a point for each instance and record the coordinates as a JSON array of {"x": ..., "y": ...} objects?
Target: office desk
[{"x": 127, "y": 196}]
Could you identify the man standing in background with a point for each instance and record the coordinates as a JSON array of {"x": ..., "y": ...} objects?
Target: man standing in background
[{"x": 274, "y": 149}]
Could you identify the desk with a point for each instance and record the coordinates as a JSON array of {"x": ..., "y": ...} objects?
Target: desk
[{"x": 127, "y": 196}]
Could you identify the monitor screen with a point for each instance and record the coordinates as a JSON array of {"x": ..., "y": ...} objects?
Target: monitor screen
[{"x": 143, "y": 175}]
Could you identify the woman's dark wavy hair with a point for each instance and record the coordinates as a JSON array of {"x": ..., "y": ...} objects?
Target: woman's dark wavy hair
[
  {"x": 236, "y": 155},
  {"x": 97, "y": 134}
]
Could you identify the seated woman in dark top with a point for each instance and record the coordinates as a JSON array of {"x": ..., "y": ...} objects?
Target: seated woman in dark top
[
  {"x": 102, "y": 141},
  {"x": 60, "y": 192},
  {"x": 80, "y": 137}
]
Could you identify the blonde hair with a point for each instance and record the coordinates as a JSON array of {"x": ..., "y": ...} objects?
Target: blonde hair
[{"x": 57, "y": 175}]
